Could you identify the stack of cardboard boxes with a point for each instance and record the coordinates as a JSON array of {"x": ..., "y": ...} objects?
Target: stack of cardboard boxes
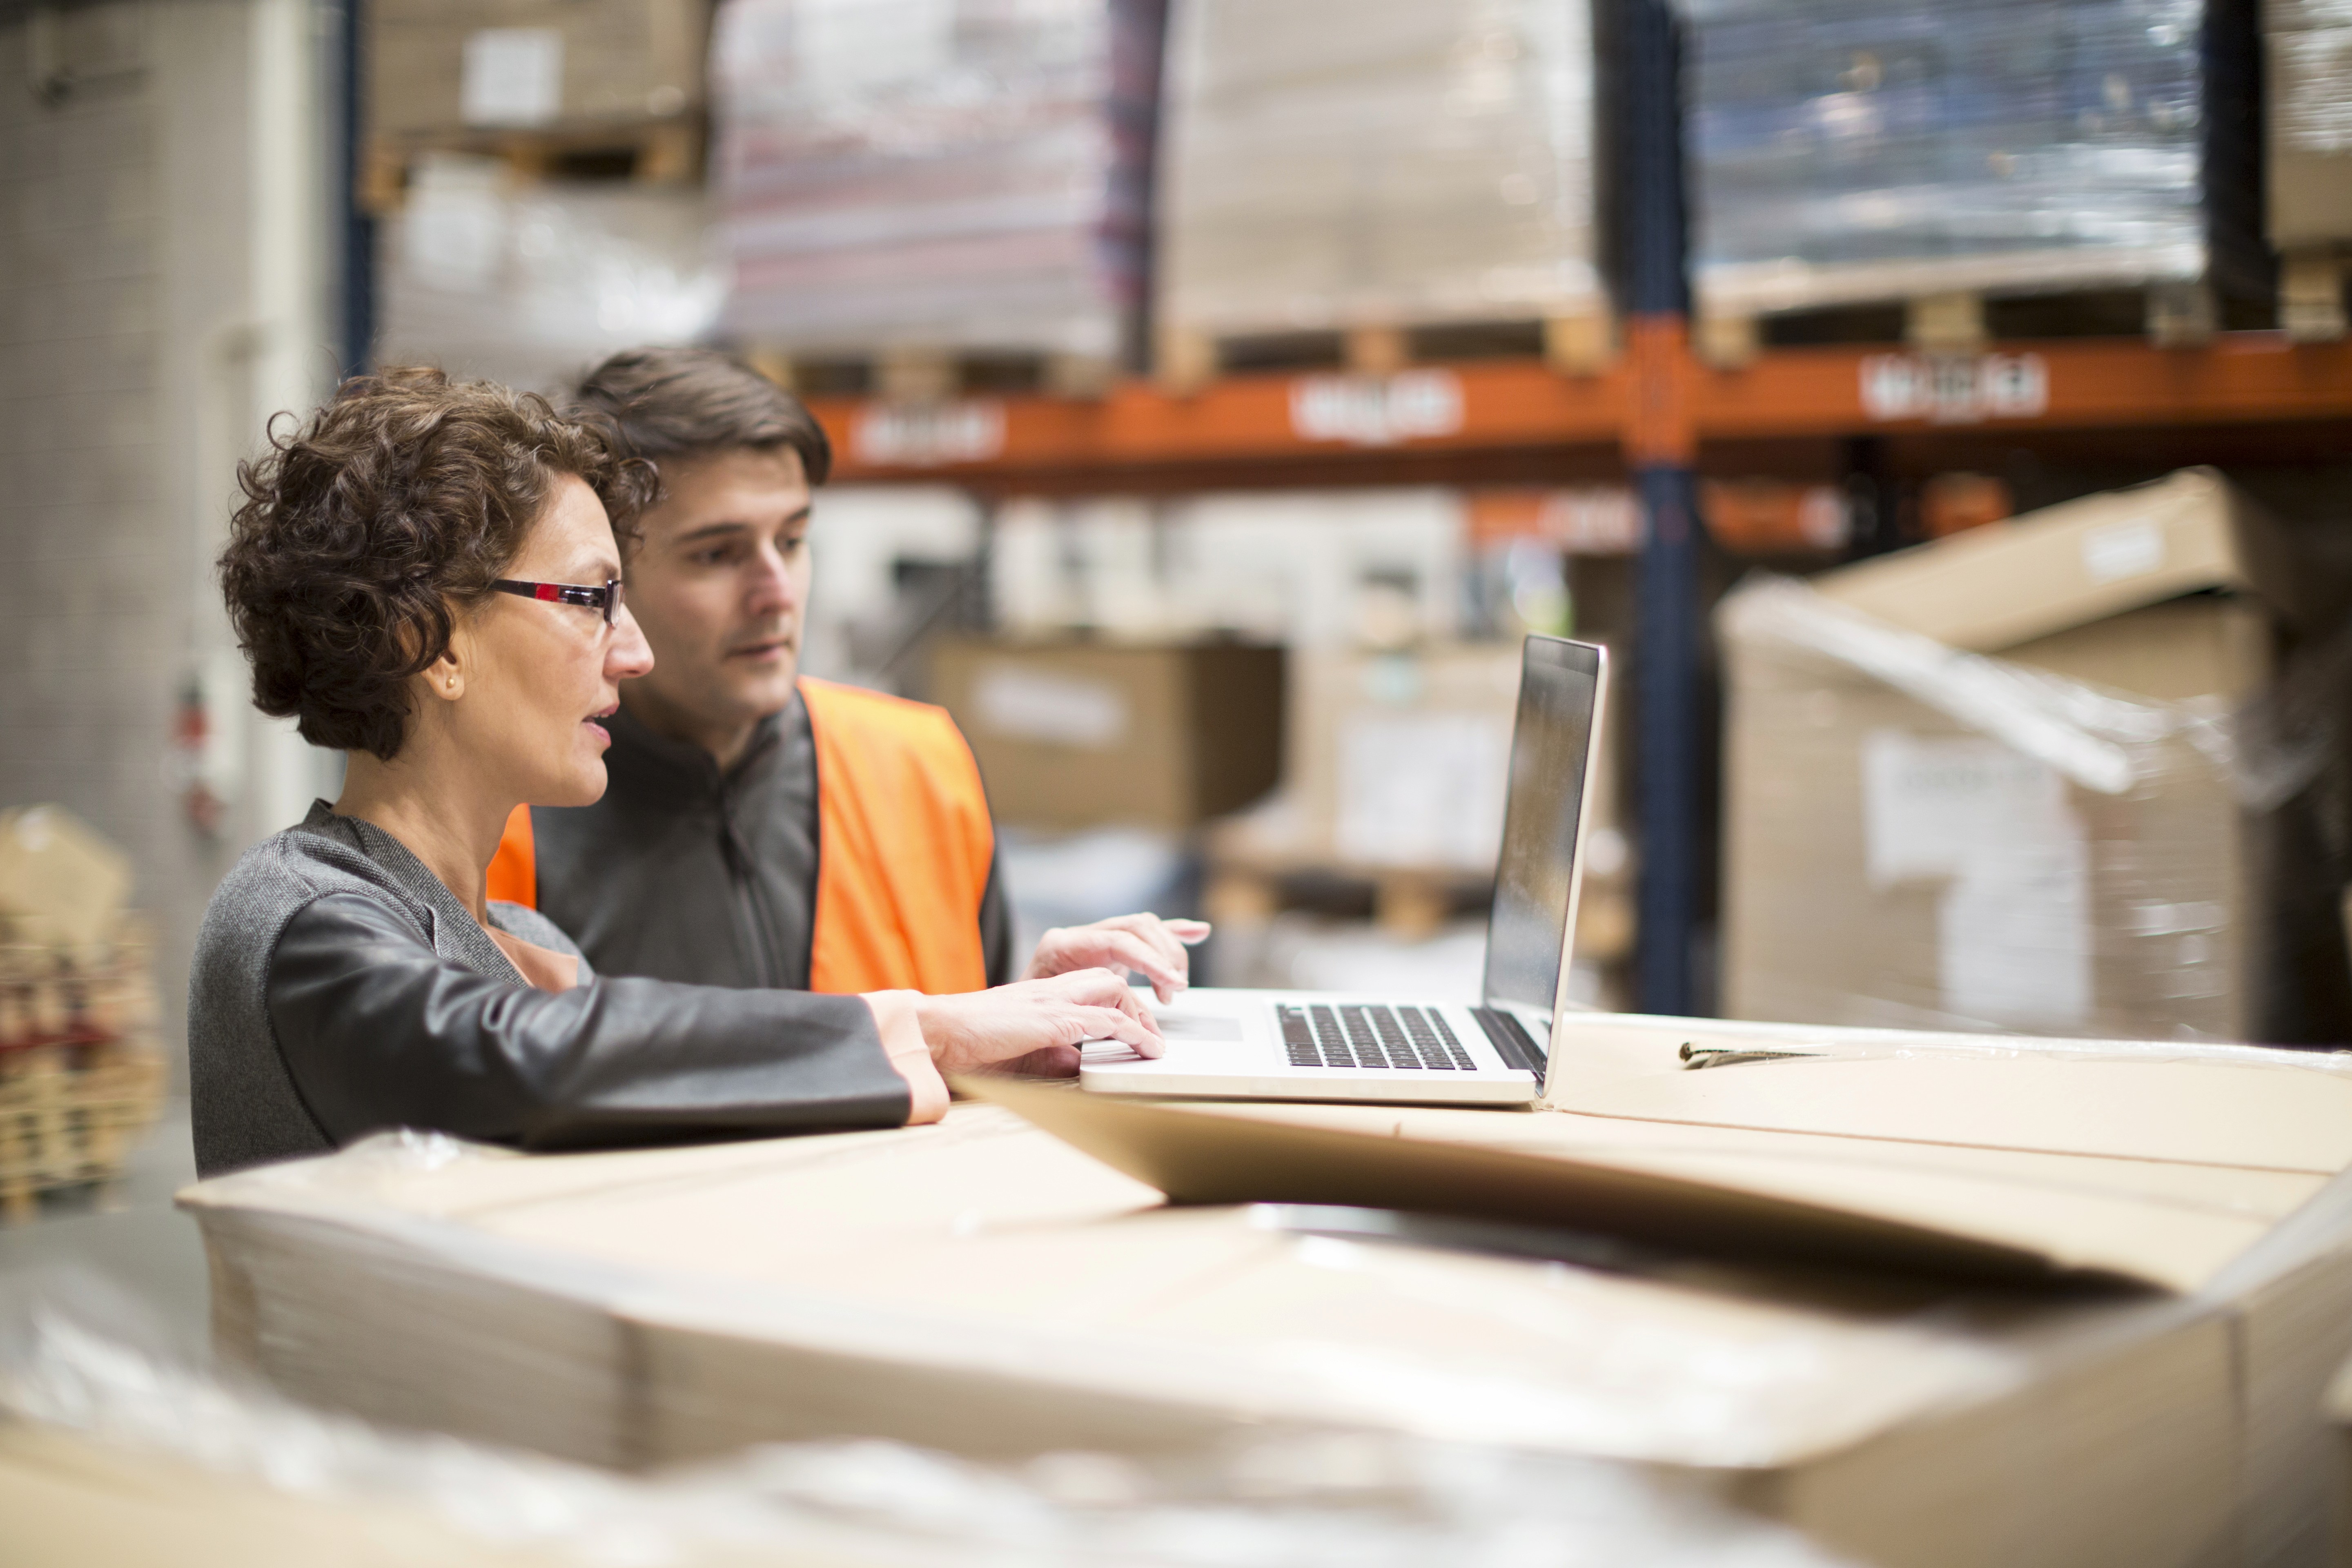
[{"x": 2000, "y": 782}]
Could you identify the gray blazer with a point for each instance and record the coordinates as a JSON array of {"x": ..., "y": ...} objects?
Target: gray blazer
[{"x": 339, "y": 989}]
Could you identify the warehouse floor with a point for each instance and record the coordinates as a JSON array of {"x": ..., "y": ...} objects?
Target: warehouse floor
[{"x": 139, "y": 1242}]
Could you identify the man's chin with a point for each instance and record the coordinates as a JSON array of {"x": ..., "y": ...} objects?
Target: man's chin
[{"x": 763, "y": 689}]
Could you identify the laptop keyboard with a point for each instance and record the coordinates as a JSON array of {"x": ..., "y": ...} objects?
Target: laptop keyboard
[{"x": 1369, "y": 1035}]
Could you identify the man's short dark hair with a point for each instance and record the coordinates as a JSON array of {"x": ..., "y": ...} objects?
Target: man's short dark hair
[
  {"x": 363, "y": 528},
  {"x": 695, "y": 402}
]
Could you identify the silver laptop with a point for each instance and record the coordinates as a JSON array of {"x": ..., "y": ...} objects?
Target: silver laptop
[{"x": 1268, "y": 1045}]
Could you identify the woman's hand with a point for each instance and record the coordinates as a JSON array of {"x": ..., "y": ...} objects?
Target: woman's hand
[
  {"x": 1034, "y": 1025},
  {"x": 1151, "y": 946}
]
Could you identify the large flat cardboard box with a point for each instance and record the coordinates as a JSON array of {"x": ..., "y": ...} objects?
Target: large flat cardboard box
[
  {"x": 1986, "y": 783},
  {"x": 2104, "y": 1294},
  {"x": 437, "y": 67},
  {"x": 1074, "y": 734}
]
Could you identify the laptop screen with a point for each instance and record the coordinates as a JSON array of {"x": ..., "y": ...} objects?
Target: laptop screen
[{"x": 1559, "y": 687}]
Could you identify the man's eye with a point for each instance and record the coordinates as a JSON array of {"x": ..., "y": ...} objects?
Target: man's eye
[{"x": 786, "y": 546}]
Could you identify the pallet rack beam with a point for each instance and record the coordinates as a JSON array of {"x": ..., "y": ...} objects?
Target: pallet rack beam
[{"x": 1523, "y": 406}]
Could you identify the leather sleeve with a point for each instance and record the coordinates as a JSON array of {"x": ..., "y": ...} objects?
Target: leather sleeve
[
  {"x": 996, "y": 928},
  {"x": 379, "y": 1031}
]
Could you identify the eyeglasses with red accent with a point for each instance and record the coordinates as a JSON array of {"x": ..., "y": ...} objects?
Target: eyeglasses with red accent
[{"x": 606, "y": 598}]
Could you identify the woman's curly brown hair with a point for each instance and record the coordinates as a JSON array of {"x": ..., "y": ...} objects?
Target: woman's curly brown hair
[{"x": 364, "y": 531}]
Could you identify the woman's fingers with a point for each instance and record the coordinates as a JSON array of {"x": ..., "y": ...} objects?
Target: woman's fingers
[
  {"x": 1188, "y": 932},
  {"x": 1117, "y": 1024}
]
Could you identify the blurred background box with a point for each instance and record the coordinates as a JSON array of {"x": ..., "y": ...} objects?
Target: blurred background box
[
  {"x": 2053, "y": 840},
  {"x": 533, "y": 281},
  {"x": 936, "y": 174},
  {"x": 2307, "y": 87},
  {"x": 438, "y": 66},
  {"x": 1086, "y": 734},
  {"x": 1844, "y": 152},
  {"x": 1351, "y": 163}
]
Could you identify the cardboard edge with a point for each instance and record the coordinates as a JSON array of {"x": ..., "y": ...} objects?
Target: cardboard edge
[{"x": 1196, "y": 1154}]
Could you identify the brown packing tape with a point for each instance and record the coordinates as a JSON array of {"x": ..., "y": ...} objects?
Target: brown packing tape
[{"x": 1199, "y": 1156}]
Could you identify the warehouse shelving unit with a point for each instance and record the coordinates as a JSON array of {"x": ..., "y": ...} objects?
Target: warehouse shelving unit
[{"x": 1654, "y": 417}]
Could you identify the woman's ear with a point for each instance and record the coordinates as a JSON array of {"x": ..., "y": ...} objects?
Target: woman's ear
[{"x": 446, "y": 676}]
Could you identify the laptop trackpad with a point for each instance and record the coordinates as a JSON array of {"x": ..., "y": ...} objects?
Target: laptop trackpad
[{"x": 1200, "y": 1026}]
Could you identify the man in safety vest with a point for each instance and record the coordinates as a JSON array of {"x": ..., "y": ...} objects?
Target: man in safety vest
[{"x": 762, "y": 828}]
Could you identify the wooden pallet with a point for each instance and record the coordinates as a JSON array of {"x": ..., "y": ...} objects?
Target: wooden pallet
[
  {"x": 905, "y": 374},
  {"x": 1963, "y": 321},
  {"x": 1187, "y": 358},
  {"x": 80, "y": 1078},
  {"x": 1404, "y": 902},
  {"x": 2311, "y": 293},
  {"x": 665, "y": 152}
]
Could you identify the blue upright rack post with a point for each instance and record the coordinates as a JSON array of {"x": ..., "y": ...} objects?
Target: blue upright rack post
[{"x": 1660, "y": 447}]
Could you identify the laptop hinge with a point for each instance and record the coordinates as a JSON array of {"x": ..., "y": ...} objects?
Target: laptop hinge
[{"x": 1511, "y": 1041}]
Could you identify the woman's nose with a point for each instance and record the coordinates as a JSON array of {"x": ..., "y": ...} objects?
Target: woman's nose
[{"x": 628, "y": 655}]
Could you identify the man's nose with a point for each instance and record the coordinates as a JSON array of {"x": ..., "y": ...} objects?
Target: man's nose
[
  {"x": 772, "y": 586},
  {"x": 629, "y": 656}
]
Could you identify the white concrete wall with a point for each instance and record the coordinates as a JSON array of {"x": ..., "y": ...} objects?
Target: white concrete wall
[{"x": 160, "y": 293}]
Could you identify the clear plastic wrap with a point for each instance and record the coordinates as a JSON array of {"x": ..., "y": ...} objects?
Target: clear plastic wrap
[
  {"x": 74, "y": 1360},
  {"x": 936, "y": 174},
  {"x": 1344, "y": 163},
  {"x": 1922, "y": 838},
  {"x": 532, "y": 284},
  {"x": 1842, "y": 150}
]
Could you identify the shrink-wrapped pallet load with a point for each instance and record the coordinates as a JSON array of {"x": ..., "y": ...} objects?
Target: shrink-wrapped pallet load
[
  {"x": 2308, "y": 82},
  {"x": 1842, "y": 152},
  {"x": 936, "y": 174},
  {"x": 1347, "y": 163},
  {"x": 2002, "y": 782},
  {"x": 81, "y": 1076}
]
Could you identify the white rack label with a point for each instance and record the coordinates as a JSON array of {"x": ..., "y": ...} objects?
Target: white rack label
[
  {"x": 1376, "y": 410},
  {"x": 928, "y": 435},
  {"x": 1955, "y": 389}
]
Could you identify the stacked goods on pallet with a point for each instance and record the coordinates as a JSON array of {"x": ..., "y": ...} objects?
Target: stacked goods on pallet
[
  {"x": 936, "y": 176},
  {"x": 548, "y": 79},
  {"x": 535, "y": 161},
  {"x": 2308, "y": 58},
  {"x": 529, "y": 282},
  {"x": 1377, "y": 165},
  {"x": 1844, "y": 152},
  {"x": 1994, "y": 783},
  {"x": 79, "y": 1074}
]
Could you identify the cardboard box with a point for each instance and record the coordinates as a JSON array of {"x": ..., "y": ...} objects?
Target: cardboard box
[
  {"x": 1088, "y": 734},
  {"x": 2051, "y": 840},
  {"x": 444, "y": 66},
  {"x": 983, "y": 1287},
  {"x": 2307, "y": 56},
  {"x": 1398, "y": 761}
]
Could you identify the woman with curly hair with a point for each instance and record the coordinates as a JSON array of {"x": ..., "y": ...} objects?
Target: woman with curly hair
[{"x": 426, "y": 577}]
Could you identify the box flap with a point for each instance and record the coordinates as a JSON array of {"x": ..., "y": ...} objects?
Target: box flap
[
  {"x": 2181, "y": 1113},
  {"x": 1787, "y": 1210},
  {"x": 2067, "y": 565}
]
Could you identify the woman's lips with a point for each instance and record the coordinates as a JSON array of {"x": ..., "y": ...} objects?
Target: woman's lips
[{"x": 602, "y": 734}]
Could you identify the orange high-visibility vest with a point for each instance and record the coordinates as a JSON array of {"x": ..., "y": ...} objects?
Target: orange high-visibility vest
[{"x": 904, "y": 845}]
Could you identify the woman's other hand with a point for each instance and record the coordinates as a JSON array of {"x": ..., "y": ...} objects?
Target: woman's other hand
[
  {"x": 1147, "y": 944},
  {"x": 1034, "y": 1025}
]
